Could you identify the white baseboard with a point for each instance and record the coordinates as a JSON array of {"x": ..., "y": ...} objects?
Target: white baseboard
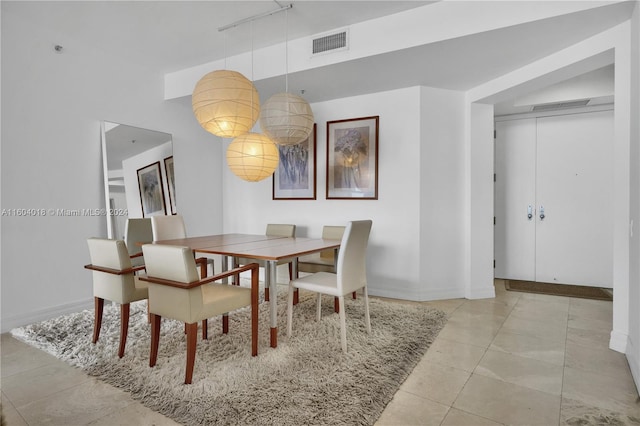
[
  {"x": 404, "y": 294},
  {"x": 633, "y": 358},
  {"x": 619, "y": 341},
  {"x": 11, "y": 322},
  {"x": 488, "y": 292},
  {"x": 417, "y": 294}
]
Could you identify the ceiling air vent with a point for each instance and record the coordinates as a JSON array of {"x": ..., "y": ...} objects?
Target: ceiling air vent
[
  {"x": 330, "y": 42},
  {"x": 561, "y": 105}
]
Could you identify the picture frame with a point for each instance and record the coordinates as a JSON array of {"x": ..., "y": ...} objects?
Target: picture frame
[
  {"x": 151, "y": 190},
  {"x": 295, "y": 177},
  {"x": 171, "y": 183},
  {"x": 352, "y": 159}
]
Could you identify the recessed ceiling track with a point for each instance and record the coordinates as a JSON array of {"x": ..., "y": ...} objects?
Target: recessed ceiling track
[{"x": 253, "y": 18}]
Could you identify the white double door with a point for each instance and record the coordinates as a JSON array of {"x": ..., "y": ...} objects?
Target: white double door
[{"x": 553, "y": 199}]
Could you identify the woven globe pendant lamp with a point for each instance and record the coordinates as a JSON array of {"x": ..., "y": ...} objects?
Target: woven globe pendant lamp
[
  {"x": 226, "y": 103},
  {"x": 252, "y": 157},
  {"x": 286, "y": 118}
]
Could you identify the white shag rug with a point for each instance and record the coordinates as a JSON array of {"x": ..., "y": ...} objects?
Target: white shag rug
[{"x": 305, "y": 380}]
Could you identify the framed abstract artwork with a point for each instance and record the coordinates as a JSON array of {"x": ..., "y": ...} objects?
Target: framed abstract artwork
[
  {"x": 352, "y": 159},
  {"x": 151, "y": 191},
  {"x": 295, "y": 177},
  {"x": 171, "y": 183}
]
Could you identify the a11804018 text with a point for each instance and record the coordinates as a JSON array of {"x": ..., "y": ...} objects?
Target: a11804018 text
[{"x": 58, "y": 212}]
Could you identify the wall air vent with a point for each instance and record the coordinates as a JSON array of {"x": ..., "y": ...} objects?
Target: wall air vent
[
  {"x": 561, "y": 105},
  {"x": 330, "y": 42}
]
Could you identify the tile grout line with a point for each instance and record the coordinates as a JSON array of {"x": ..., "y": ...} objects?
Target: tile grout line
[{"x": 479, "y": 361}]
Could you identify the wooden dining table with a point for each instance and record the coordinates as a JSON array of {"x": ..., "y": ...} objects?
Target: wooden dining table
[{"x": 271, "y": 249}]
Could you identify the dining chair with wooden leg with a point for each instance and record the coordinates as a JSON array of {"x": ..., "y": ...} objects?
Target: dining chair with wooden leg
[
  {"x": 114, "y": 279},
  {"x": 172, "y": 227},
  {"x": 177, "y": 292}
]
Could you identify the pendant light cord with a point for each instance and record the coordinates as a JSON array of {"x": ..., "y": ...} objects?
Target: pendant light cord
[
  {"x": 286, "y": 51},
  {"x": 225, "y": 50},
  {"x": 252, "y": 67}
]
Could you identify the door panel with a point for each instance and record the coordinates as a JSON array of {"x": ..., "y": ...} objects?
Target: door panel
[
  {"x": 574, "y": 242},
  {"x": 514, "y": 232}
]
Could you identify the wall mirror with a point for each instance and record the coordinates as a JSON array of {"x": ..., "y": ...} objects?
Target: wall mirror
[{"x": 139, "y": 177}]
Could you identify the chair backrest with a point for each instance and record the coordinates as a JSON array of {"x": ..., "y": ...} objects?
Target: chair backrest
[
  {"x": 168, "y": 227},
  {"x": 175, "y": 263},
  {"x": 280, "y": 230},
  {"x": 331, "y": 233},
  {"x": 137, "y": 231},
  {"x": 111, "y": 254},
  {"x": 351, "y": 267}
]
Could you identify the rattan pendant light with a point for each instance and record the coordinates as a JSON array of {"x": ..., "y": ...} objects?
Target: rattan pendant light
[
  {"x": 226, "y": 103},
  {"x": 286, "y": 118},
  {"x": 252, "y": 157}
]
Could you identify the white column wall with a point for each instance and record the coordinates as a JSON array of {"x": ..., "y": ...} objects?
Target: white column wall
[
  {"x": 52, "y": 106},
  {"x": 621, "y": 190},
  {"x": 633, "y": 348},
  {"x": 479, "y": 196},
  {"x": 442, "y": 193}
]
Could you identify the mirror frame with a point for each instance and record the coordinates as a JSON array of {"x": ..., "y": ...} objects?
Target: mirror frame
[
  {"x": 105, "y": 178},
  {"x": 145, "y": 137}
]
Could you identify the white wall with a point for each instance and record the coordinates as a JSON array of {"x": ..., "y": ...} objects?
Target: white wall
[
  {"x": 52, "y": 106},
  {"x": 478, "y": 214},
  {"x": 394, "y": 250},
  {"x": 416, "y": 246},
  {"x": 621, "y": 190},
  {"x": 442, "y": 177},
  {"x": 633, "y": 348}
]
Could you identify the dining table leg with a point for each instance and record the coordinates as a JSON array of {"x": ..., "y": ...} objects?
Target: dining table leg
[
  {"x": 270, "y": 274},
  {"x": 294, "y": 275},
  {"x": 225, "y": 317}
]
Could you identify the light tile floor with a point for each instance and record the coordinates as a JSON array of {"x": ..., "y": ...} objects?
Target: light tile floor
[{"x": 518, "y": 359}]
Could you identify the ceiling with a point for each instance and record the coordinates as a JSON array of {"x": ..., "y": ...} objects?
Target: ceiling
[
  {"x": 174, "y": 35},
  {"x": 124, "y": 141}
]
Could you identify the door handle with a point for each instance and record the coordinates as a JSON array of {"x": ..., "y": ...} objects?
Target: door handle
[
  {"x": 529, "y": 212},
  {"x": 542, "y": 216}
]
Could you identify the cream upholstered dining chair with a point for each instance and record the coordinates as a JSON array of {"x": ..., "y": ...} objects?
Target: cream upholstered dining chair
[
  {"x": 351, "y": 275},
  {"x": 137, "y": 231},
  {"x": 325, "y": 260},
  {"x": 168, "y": 227},
  {"x": 273, "y": 230},
  {"x": 172, "y": 227},
  {"x": 114, "y": 279},
  {"x": 176, "y": 292}
]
